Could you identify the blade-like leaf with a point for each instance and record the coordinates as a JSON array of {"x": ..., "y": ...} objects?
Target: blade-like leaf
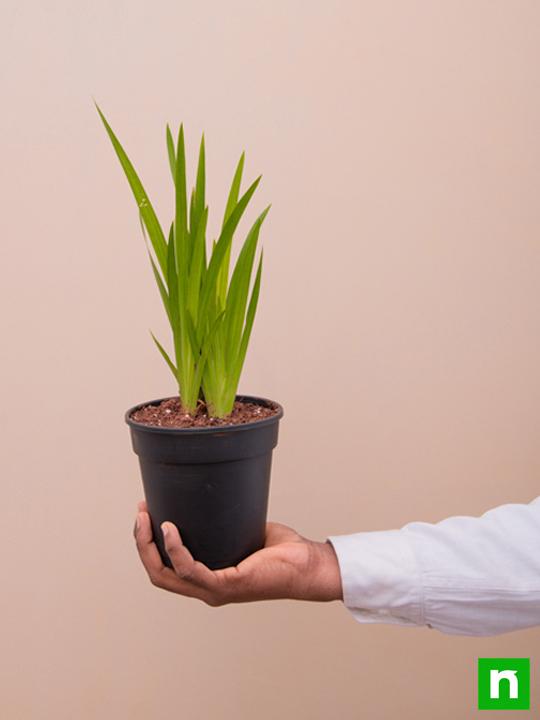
[
  {"x": 161, "y": 286},
  {"x": 234, "y": 192},
  {"x": 223, "y": 277},
  {"x": 180, "y": 217},
  {"x": 232, "y": 200},
  {"x": 192, "y": 220},
  {"x": 172, "y": 280},
  {"x": 250, "y": 316},
  {"x": 200, "y": 190},
  {"x": 222, "y": 244},
  {"x": 239, "y": 288},
  {"x": 192, "y": 336},
  {"x": 165, "y": 356},
  {"x": 185, "y": 360},
  {"x": 145, "y": 207},
  {"x": 201, "y": 365},
  {"x": 157, "y": 274},
  {"x": 172, "y": 284},
  {"x": 196, "y": 269},
  {"x": 171, "y": 152}
]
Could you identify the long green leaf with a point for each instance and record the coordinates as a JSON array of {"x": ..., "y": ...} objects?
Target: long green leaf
[
  {"x": 199, "y": 202},
  {"x": 165, "y": 356},
  {"x": 172, "y": 280},
  {"x": 232, "y": 200},
  {"x": 180, "y": 217},
  {"x": 201, "y": 365},
  {"x": 172, "y": 284},
  {"x": 192, "y": 220},
  {"x": 239, "y": 288},
  {"x": 171, "y": 153},
  {"x": 162, "y": 288},
  {"x": 182, "y": 255},
  {"x": 196, "y": 269},
  {"x": 192, "y": 336},
  {"x": 157, "y": 274},
  {"x": 222, "y": 244},
  {"x": 145, "y": 207},
  {"x": 252, "y": 309},
  {"x": 234, "y": 192}
]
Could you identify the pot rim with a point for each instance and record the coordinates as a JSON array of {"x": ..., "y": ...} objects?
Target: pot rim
[{"x": 205, "y": 430}]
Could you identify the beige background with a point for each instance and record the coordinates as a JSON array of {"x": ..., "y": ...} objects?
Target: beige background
[{"x": 398, "y": 325}]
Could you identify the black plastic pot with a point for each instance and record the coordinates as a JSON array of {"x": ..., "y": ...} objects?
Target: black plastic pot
[{"x": 211, "y": 482}]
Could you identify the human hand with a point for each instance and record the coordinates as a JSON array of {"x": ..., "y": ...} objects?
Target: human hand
[{"x": 289, "y": 566}]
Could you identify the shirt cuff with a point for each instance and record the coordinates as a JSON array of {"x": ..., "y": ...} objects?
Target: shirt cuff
[{"x": 380, "y": 577}]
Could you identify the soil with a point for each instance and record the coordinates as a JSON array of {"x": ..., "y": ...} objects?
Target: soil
[{"x": 169, "y": 413}]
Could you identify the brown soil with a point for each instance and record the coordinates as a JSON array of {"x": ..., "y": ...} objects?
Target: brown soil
[{"x": 169, "y": 413}]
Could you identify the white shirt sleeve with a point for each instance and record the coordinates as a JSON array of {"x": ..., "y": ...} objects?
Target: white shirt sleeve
[{"x": 464, "y": 575}]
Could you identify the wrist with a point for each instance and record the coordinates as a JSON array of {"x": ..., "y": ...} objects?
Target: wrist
[
  {"x": 332, "y": 571},
  {"x": 324, "y": 578}
]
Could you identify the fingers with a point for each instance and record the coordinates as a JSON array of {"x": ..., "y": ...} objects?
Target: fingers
[
  {"x": 271, "y": 572},
  {"x": 268, "y": 573},
  {"x": 160, "y": 576},
  {"x": 190, "y": 577},
  {"x": 184, "y": 565},
  {"x": 147, "y": 548}
]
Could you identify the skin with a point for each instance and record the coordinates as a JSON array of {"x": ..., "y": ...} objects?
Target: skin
[{"x": 289, "y": 566}]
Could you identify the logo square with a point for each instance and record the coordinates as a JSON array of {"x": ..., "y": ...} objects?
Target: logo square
[{"x": 504, "y": 683}]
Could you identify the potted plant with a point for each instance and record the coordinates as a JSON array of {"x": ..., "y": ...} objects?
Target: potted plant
[{"x": 205, "y": 454}]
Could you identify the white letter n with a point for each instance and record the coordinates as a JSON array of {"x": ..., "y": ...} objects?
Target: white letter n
[{"x": 495, "y": 679}]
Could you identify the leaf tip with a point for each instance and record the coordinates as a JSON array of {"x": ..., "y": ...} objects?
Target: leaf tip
[
  {"x": 102, "y": 116},
  {"x": 264, "y": 214}
]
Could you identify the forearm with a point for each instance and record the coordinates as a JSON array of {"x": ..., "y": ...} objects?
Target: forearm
[{"x": 474, "y": 576}]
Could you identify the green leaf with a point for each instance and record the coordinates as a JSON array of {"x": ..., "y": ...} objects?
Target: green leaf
[
  {"x": 171, "y": 152},
  {"x": 184, "y": 357},
  {"x": 172, "y": 280},
  {"x": 165, "y": 356},
  {"x": 192, "y": 336},
  {"x": 239, "y": 288},
  {"x": 161, "y": 286},
  {"x": 201, "y": 365},
  {"x": 172, "y": 284},
  {"x": 234, "y": 192},
  {"x": 252, "y": 309},
  {"x": 222, "y": 244},
  {"x": 200, "y": 190},
  {"x": 180, "y": 217},
  {"x": 231, "y": 203},
  {"x": 145, "y": 207},
  {"x": 157, "y": 274},
  {"x": 196, "y": 269},
  {"x": 192, "y": 220}
]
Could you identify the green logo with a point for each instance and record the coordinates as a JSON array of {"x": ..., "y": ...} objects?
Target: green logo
[{"x": 504, "y": 683}]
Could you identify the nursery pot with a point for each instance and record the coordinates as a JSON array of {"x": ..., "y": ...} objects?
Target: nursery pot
[{"x": 211, "y": 482}]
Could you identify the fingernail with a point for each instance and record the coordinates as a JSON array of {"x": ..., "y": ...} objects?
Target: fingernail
[
  {"x": 136, "y": 526},
  {"x": 164, "y": 530}
]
